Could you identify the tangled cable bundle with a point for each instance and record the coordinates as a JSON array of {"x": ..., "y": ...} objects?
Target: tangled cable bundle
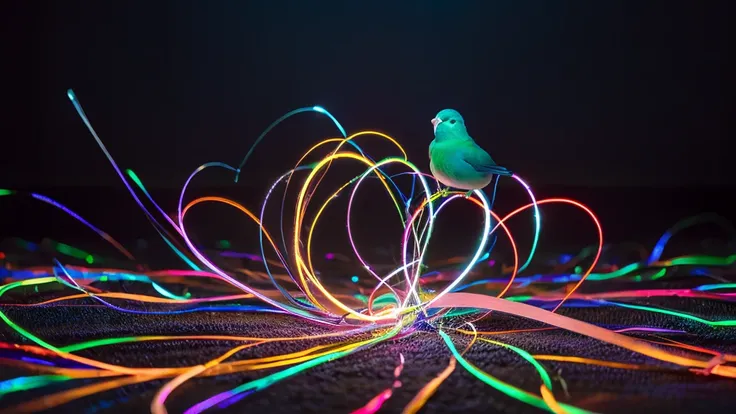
[{"x": 416, "y": 297}]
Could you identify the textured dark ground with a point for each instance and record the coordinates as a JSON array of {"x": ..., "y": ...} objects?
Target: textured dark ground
[
  {"x": 347, "y": 384},
  {"x": 344, "y": 385}
]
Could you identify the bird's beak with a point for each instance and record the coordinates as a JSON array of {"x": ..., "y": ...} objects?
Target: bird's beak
[{"x": 435, "y": 122}]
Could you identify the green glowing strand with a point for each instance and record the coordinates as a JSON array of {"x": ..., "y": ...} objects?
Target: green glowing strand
[
  {"x": 29, "y": 383},
  {"x": 181, "y": 255},
  {"x": 460, "y": 312},
  {"x": 674, "y": 313},
  {"x": 718, "y": 286},
  {"x": 41, "y": 342},
  {"x": 527, "y": 356},
  {"x": 503, "y": 387},
  {"x": 617, "y": 273},
  {"x": 680, "y": 261},
  {"x": 74, "y": 252},
  {"x": 269, "y": 380},
  {"x": 659, "y": 274},
  {"x": 520, "y": 298},
  {"x": 18, "y": 328},
  {"x": 704, "y": 261},
  {"x": 4, "y": 192},
  {"x": 168, "y": 294},
  {"x": 99, "y": 342}
]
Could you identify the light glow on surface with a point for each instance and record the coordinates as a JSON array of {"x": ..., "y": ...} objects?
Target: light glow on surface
[{"x": 355, "y": 313}]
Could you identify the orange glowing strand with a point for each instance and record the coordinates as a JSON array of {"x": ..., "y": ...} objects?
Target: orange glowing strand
[
  {"x": 550, "y": 400},
  {"x": 513, "y": 246},
  {"x": 597, "y": 224},
  {"x": 232, "y": 204},
  {"x": 590, "y": 361},
  {"x": 478, "y": 301},
  {"x": 54, "y": 400},
  {"x": 676, "y": 344},
  {"x": 157, "y": 405},
  {"x": 428, "y": 390}
]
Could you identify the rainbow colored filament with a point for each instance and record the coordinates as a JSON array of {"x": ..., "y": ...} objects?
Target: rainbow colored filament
[{"x": 419, "y": 296}]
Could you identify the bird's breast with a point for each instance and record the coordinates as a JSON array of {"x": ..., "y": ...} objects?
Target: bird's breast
[
  {"x": 448, "y": 177},
  {"x": 449, "y": 169}
]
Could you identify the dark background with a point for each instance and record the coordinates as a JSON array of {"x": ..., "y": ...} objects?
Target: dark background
[
  {"x": 623, "y": 105},
  {"x": 624, "y": 93}
]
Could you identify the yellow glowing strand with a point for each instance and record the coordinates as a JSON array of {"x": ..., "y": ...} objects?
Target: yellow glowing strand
[
  {"x": 321, "y": 210},
  {"x": 372, "y": 167},
  {"x": 305, "y": 287},
  {"x": 302, "y": 269},
  {"x": 428, "y": 390},
  {"x": 300, "y": 209},
  {"x": 380, "y": 134}
]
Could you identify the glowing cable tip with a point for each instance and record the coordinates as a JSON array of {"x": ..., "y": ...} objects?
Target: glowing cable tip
[
  {"x": 71, "y": 95},
  {"x": 319, "y": 109}
]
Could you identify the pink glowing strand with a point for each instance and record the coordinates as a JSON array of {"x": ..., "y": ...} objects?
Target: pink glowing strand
[
  {"x": 592, "y": 216},
  {"x": 382, "y": 282},
  {"x": 46, "y": 270},
  {"x": 426, "y": 223},
  {"x": 537, "y": 221},
  {"x": 643, "y": 293},
  {"x": 377, "y": 402},
  {"x": 479, "y": 250},
  {"x": 365, "y": 265},
  {"x": 278, "y": 253},
  {"x": 227, "y": 278},
  {"x": 646, "y": 329},
  {"x": 203, "y": 259},
  {"x": 412, "y": 290},
  {"x": 404, "y": 241},
  {"x": 478, "y": 301},
  {"x": 157, "y": 404}
]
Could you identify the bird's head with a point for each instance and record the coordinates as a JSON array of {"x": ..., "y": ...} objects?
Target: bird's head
[{"x": 449, "y": 124}]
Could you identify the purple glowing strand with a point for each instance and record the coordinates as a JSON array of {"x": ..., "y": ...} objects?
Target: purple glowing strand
[
  {"x": 101, "y": 233},
  {"x": 227, "y": 278}
]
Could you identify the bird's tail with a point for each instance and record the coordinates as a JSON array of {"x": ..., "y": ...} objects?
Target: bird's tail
[{"x": 498, "y": 170}]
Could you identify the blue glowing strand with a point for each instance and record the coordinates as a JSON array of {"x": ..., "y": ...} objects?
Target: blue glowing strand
[{"x": 317, "y": 109}]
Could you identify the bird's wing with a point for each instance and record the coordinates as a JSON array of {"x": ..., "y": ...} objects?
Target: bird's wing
[{"x": 479, "y": 159}]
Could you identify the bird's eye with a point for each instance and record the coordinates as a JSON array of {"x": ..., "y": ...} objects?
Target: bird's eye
[{"x": 453, "y": 121}]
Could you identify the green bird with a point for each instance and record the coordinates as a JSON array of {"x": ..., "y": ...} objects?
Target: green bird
[{"x": 455, "y": 159}]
